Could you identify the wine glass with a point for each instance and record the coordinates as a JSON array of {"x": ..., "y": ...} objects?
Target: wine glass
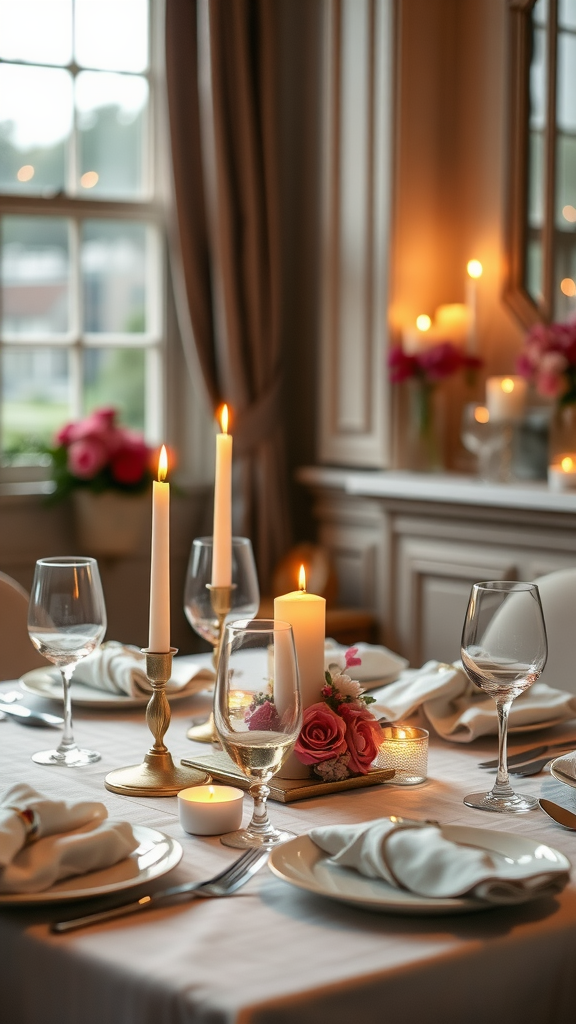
[
  {"x": 258, "y": 656},
  {"x": 504, "y": 650},
  {"x": 245, "y": 595},
  {"x": 485, "y": 439},
  {"x": 66, "y": 622}
]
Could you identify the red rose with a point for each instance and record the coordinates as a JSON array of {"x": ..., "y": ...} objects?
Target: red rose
[
  {"x": 363, "y": 736},
  {"x": 265, "y": 716},
  {"x": 322, "y": 735},
  {"x": 130, "y": 461}
]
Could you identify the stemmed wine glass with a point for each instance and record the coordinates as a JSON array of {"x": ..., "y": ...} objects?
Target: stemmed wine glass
[
  {"x": 258, "y": 661},
  {"x": 504, "y": 650},
  {"x": 245, "y": 595},
  {"x": 66, "y": 622}
]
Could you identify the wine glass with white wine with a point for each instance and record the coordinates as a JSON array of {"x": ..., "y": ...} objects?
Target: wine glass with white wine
[
  {"x": 257, "y": 714},
  {"x": 66, "y": 623}
]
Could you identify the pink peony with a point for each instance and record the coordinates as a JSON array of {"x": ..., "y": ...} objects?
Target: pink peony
[
  {"x": 86, "y": 458},
  {"x": 363, "y": 736},
  {"x": 265, "y": 716},
  {"x": 130, "y": 460},
  {"x": 322, "y": 736},
  {"x": 401, "y": 366},
  {"x": 440, "y": 360}
]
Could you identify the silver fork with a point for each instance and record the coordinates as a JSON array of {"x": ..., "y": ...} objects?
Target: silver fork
[{"x": 221, "y": 885}]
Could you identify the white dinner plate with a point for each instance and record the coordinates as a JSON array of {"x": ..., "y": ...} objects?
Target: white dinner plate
[
  {"x": 303, "y": 864},
  {"x": 155, "y": 856},
  {"x": 564, "y": 763},
  {"x": 47, "y": 683}
]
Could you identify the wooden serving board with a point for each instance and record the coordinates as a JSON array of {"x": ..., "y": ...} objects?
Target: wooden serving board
[{"x": 285, "y": 791}]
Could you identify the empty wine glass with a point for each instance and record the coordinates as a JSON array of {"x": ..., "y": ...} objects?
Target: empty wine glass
[
  {"x": 487, "y": 440},
  {"x": 245, "y": 595},
  {"x": 66, "y": 622},
  {"x": 258, "y": 660},
  {"x": 504, "y": 650}
]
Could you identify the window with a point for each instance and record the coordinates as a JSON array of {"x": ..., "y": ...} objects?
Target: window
[
  {"x": 543, "y": 160},
  {"x": 81, "y": 296}
]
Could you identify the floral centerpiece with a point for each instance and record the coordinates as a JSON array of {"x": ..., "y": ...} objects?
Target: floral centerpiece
[
  {"x": 425, "y": 370},
  {"x": 98, "y": 454},
  {"x": 339, "y": 737},
  {"x": 549, "y": 363}
]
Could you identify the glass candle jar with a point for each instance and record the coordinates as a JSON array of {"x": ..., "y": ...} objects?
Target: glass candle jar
[{"x": 405, "y": 749}]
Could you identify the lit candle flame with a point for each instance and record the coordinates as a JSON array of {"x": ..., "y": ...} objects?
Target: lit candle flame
[
  {"x": 567, "y": 464},
  {"x": 423, "y": 322},
  {"x": 211, "y": 792},
  {"x": 162, "y": 464},
  {"x": 224, "y": 419},
  {"x": 481, "y": 414},
  {"x": 302, "y": 579},
  {"x": 474, "y": 268},
  {"x": 507, "y": 385}
]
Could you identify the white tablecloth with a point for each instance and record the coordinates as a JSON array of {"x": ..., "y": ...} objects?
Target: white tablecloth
[{"x": 272, "y": 954}]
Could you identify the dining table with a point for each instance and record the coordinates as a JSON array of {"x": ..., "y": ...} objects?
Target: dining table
[{"x": 273, "y": 953}]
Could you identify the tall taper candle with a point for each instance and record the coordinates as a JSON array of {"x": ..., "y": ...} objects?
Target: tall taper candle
[
  {"x": 222, "y": 538},
  {"x": 159, "y": 635}
]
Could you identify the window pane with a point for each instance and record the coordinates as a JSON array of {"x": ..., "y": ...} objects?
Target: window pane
[
  {"x": 540, "y": 12},
  {"x": 566, "y": 103},
  {"x": 116, "y": 376},
  {"x": 566, "y": 182},
  {"x": 112, "y": 34},
  {"x": 35, "y": 398},
  {"x": 534, "y": 268},
  {"x": 538, "y": 89},
  {"x": 35, "y": 276},
  {"x": 114, "y": 277},
  {"x": 567, "y": 14},
  {"x": 38, "y": 31},
  {"x": 35, "y": 124},
  {"x": 111, "y": 124}
]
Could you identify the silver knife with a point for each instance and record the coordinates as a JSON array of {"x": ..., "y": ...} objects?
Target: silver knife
[{"x": 28, "y": 717}]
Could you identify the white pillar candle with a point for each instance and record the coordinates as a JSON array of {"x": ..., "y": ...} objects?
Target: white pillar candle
[
  {"x": 419, "y": 337},
  {"x": 306, "y": 613},
  {"x": 474, "y": 271},
  {"x": 159, "y": 634},
  {"x": 562, "y": 473},
  {"x": 210, "y": 810},
  {"x": 452, "y": 321},
  {"x": 505, "y": 399},
  {"x": 222, "y": 533}
]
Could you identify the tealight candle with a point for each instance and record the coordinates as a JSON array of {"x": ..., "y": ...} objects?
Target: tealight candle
[
  {"x": 562, "y": 473},
  {"x": 210, "y": 810},
  {"x": 405, "y": 749}
]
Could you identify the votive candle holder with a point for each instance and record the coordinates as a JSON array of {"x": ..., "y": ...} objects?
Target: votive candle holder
[{"x": 405, "y": 749}]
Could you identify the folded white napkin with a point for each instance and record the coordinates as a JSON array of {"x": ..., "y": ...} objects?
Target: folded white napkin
[
  {"x": 70, "y": 839},
  {"x": 461, "y": 712},
  {"x": 376, "y": 662},
  {"x": 120, "y": 668},
  {"x": 418, "y": 857}
]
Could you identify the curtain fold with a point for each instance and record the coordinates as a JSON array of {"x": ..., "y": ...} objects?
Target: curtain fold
[{"x": 223, "y": 109}]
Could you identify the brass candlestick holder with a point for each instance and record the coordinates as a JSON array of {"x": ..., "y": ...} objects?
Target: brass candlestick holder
[
  {"x": 157, "y": 775},
  {"x": 221, "y": 599}
]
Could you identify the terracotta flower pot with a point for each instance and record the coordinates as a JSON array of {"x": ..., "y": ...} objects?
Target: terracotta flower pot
[{"x": 110, "y": 525}]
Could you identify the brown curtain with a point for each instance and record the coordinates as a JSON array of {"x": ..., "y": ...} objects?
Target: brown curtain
[{"x": 225, "y": 148}]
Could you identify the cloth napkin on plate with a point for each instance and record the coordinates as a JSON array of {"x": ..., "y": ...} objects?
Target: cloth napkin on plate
[
  {"x": 71, "y": 839},
  {"x": 376, "y": 663},
  {"x": 461, "y": 712},
  {"x": 121, "y": 669},
  {"x": 418, "y": 857}
]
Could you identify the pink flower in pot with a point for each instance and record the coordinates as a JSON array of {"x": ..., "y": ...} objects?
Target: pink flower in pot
[{"x": 86, "y": 458}]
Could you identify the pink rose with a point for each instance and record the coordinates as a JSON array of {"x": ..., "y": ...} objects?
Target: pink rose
[
  {"x": 401, "y": 366},
  {"x": 86, "y": 458},
  {"x": 130, "y": 460},
  {"x": 265, "y": 716},
  {"x": 363, "y": 736},
  {"x": 322, "y": 735}
]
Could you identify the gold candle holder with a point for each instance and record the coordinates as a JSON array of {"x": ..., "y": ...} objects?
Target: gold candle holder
[
  {"x": 221, "y": 599},
  {"x": 157, "y": 775}
]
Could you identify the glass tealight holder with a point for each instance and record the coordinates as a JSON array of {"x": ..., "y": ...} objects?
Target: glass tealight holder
[{"x": 405, "y": 749}]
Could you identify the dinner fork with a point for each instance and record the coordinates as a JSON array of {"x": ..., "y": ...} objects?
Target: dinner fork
[{"x": 222, "y": 884}]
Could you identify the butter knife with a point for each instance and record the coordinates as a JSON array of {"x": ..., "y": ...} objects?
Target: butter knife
[{"x": 26, "y": 716}]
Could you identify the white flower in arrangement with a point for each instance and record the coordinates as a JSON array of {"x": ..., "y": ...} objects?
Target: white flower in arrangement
[{"x": 346, "y": 686}]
